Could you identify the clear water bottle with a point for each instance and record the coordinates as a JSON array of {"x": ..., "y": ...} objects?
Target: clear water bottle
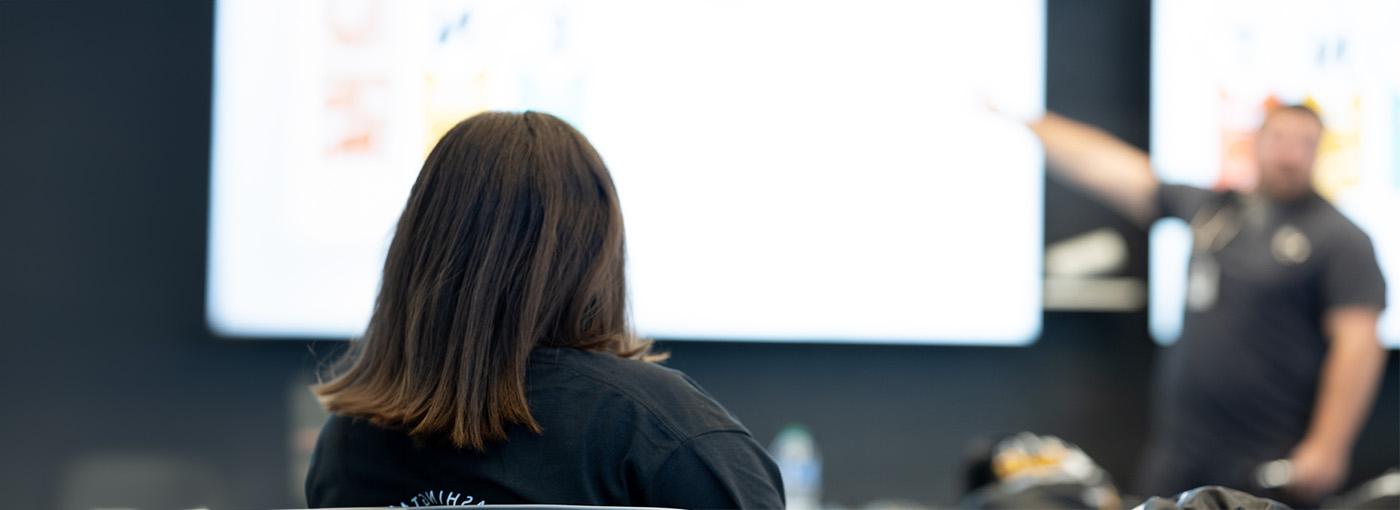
[{"x": 796, "y": 455}]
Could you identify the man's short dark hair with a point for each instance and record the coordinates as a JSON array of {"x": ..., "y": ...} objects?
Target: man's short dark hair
[{"x": 1299, "y": 108}]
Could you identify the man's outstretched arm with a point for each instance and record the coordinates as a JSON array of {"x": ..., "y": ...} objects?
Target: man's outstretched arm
[{"x": 1101, "y": 164}]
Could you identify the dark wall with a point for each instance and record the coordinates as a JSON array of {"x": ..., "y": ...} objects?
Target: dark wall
[{"x": 104, "y": 114}]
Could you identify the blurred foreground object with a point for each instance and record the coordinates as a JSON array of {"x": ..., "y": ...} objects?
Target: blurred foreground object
[
  {"x": 1212, "y": 498},
  {"x": 1026, "y": 470},
  {"x": 1382, "y": 492}
]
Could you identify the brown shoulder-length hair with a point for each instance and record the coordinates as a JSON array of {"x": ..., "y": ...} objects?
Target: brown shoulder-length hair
[{"x": 511, "y": 239}]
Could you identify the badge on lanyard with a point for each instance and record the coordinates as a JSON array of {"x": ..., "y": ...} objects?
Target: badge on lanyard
[
  {"x": 1212, "y": 232},
  {"x": 1202, "y": 282}
]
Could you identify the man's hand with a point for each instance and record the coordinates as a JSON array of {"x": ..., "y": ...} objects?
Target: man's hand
[
  {"x": 1318, "y": 470},
  {"x": 1020, "y": 112}
]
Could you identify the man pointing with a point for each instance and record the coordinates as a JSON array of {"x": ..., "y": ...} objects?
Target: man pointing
[{"x": 1278, "y": 357}]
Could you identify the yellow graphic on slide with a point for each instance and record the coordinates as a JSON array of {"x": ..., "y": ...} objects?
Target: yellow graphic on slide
[{"x": 492, "y": 55}]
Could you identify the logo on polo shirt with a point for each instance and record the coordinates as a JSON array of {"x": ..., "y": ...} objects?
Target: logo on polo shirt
[{"x": 1290, "y": 246}]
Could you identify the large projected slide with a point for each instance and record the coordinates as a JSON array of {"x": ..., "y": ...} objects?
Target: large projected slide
[
  {"x": 1217, "y": 67},
  {"x": 789, "y": 171}
]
